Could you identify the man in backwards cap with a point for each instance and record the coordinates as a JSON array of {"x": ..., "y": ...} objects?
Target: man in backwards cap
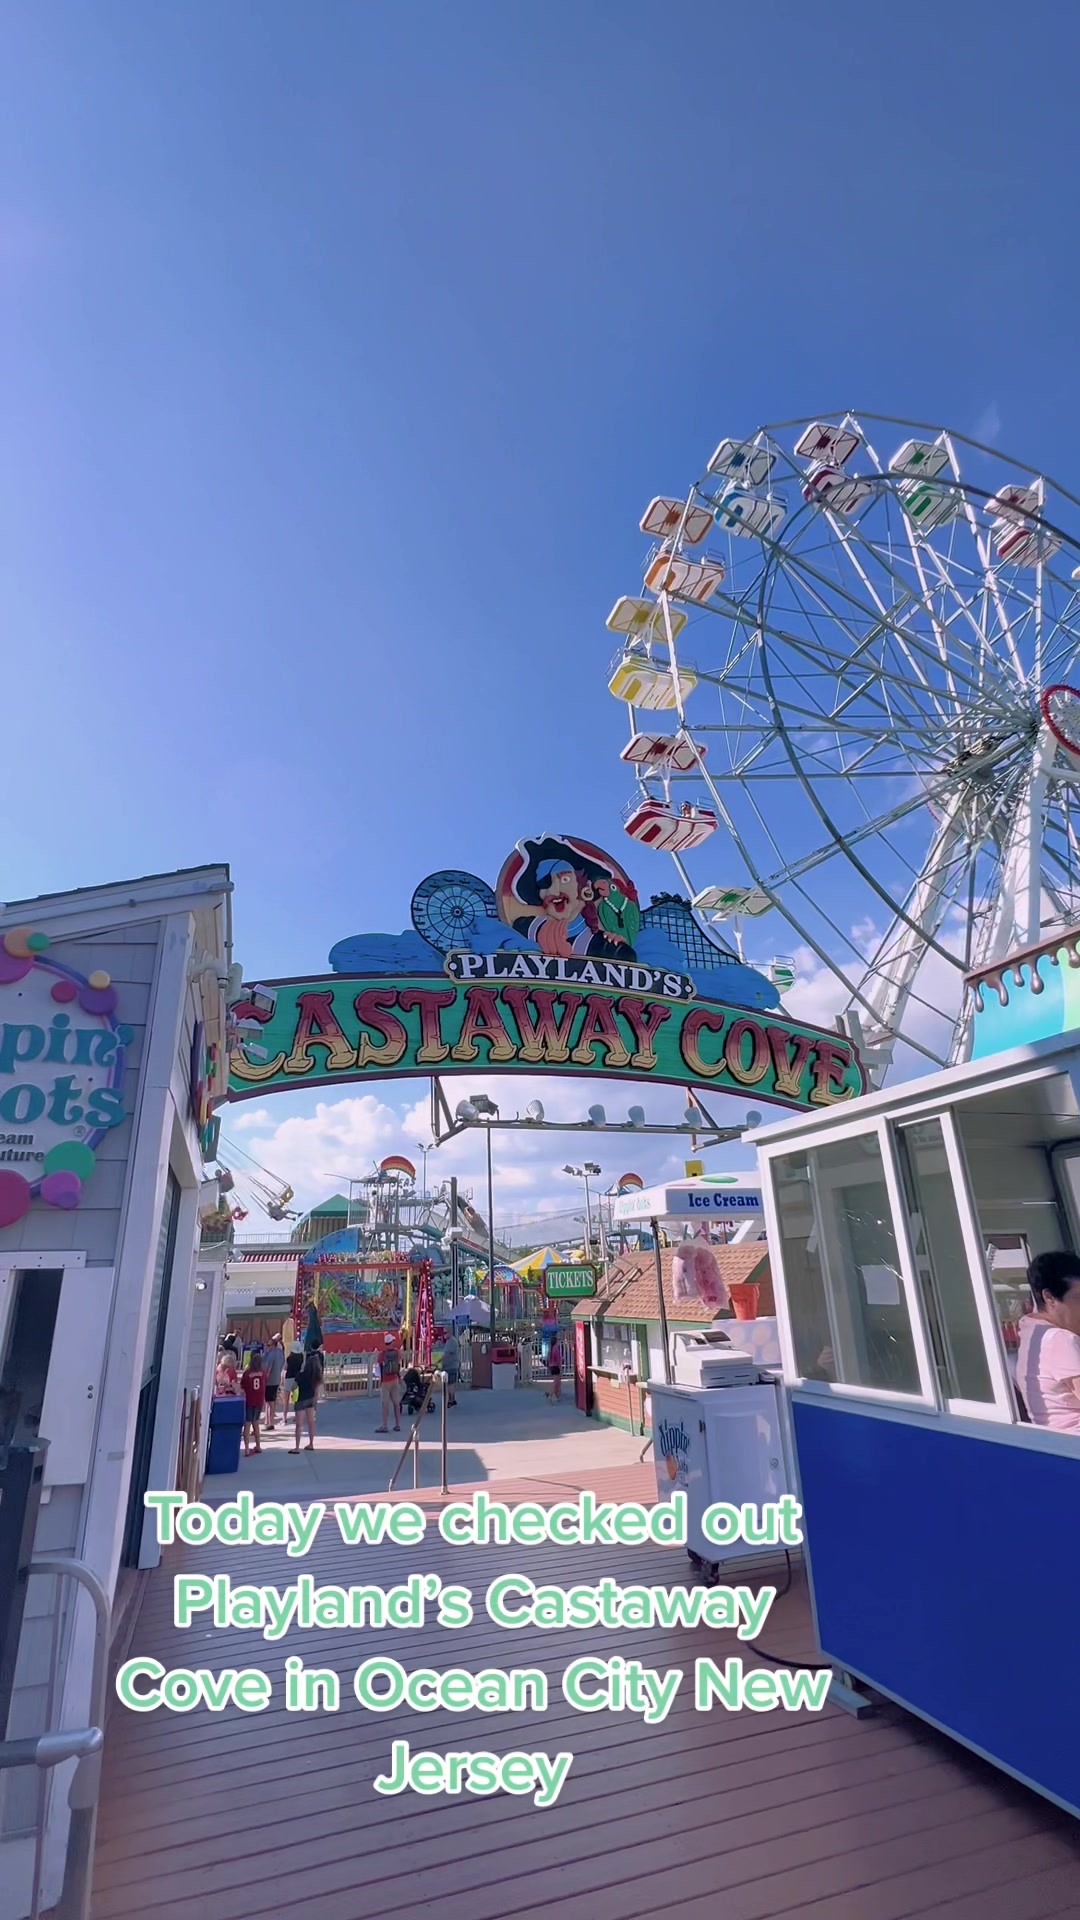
[{"x": 390, "y": 1383}]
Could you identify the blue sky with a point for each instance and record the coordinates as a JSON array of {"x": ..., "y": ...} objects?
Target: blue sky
[{"x": 344, "y": 346}]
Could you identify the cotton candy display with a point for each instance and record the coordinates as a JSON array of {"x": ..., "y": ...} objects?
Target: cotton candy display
[
  {"x": 683, "y": 1284},
  {"x": 696, "y": 1276},
  {"x": 710, "y": 1288}
]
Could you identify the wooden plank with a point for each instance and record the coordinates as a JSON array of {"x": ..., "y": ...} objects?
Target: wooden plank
[{"x": 704, "y": 1815}]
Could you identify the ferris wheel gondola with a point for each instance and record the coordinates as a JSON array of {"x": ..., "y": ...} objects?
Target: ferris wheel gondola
[{"x": 879, "y": 651}]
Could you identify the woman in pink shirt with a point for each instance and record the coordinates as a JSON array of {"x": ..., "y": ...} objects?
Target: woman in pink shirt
[{"x": 1048, "y": 1362}]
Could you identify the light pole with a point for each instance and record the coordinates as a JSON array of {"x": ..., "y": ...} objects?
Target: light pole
[
  {"x": 486, "y": 1110},
  {"x": 420, "y": 1148},
  {"x": 582, "y": 1173},
  {"x": 453, "y": 1237}
]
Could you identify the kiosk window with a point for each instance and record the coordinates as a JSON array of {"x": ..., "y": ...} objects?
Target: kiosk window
[
  {"x": 946, "y": 1284},
  {"x": 841, "y": 1267},
  {"x": 1008, "y": 1257},
  {"x": 617, "y": 1348}
]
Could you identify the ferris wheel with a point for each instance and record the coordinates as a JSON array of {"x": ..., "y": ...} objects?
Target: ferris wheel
[{"x": 865, "y": 633}]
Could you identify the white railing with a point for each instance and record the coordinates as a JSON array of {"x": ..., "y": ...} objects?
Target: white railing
[{"x": 350, "y": 1373}]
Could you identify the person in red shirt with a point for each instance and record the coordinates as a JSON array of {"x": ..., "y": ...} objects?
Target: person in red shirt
[{"x": 253, "y": 1381}]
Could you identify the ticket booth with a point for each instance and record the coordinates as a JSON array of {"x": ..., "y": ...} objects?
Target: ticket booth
[{"x": 943, "y": 1543}]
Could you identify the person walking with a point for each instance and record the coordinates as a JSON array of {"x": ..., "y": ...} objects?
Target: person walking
[
  {"x": 290, "y": 1377},
  {"x": 308, "y": 1382},
  {"x": 253, "y": 1382},
  {"x": 390, "y": 1383},
  {"x": 275, "y": 1367},
  {"x": 555, "y": 1367},
  {"x": 451, "y": 1361}
]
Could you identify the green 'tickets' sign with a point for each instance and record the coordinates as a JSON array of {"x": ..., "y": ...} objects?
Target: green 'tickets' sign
[
  {"x": 570, "y": 1283},
  {"x": 339, "y": 1028}
]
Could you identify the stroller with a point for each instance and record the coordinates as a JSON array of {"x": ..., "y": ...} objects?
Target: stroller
[{"x": 414, "y": 1389}]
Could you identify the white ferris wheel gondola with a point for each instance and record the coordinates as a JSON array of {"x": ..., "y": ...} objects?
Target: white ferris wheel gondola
[
  {"x": 880, "y": 655},
  {"x": 662, "y": 752},
  {"x": 668, "y": 827}
]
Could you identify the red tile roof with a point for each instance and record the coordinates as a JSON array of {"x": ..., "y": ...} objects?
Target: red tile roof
[{"x": 628, "y": 1289}]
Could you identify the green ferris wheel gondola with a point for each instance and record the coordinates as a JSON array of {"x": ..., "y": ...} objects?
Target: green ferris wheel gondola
[{"x": 447, "y": 907}]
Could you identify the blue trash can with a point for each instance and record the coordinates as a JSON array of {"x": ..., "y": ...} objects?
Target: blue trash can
[{"x": 226, "y": 1431}]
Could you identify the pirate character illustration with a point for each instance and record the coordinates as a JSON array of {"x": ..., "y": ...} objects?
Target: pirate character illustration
[{"x": 570, "y": 898}]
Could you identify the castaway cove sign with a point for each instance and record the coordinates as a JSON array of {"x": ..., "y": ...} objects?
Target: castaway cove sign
[{"x": 557, "y": 969}]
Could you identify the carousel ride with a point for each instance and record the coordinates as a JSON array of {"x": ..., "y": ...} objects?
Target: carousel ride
[{"x": 864, "y": 635}]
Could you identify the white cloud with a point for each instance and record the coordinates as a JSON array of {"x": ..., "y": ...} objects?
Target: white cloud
[
  {"x": 818, "y": 994},
  {"x": 319, "y": 1149},
  {"x": 988, "y": 425},
  {"x": 930, "y": 1016}
]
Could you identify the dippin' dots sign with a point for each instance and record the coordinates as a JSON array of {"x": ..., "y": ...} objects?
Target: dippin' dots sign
[
  {"x": 673, "y": 1447},
  {"x": 62, "y": 1059}
]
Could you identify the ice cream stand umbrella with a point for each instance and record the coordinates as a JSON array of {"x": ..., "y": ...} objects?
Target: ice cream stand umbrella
[
  {"x": 533, "y": 1266},
  {"x": 538, "y": 1262}
]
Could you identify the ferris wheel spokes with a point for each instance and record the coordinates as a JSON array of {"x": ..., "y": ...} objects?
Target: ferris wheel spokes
[{"x": 875, "y": 639}]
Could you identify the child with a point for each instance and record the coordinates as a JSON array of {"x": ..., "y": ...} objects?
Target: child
[
  {"x": 226, "y": 1378},
  {"x": 253, "y": 1381}
]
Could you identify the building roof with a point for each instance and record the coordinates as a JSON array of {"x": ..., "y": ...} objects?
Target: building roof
[
  {"x": 217, "y": 868},
  {"x": 336, "y": 1204},
  {"x": 628, "y": 1289}
]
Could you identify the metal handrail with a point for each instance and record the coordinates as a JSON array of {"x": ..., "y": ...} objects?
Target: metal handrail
[
  {"x": 51, "y": 1749},
  {"x": 82, "y": 1744},
  {"x": 413, "y": 1440}
]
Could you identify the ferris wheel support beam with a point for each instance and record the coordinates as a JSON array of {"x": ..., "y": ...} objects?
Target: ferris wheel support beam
[
  {"x": 904, "y": 946},
  {"x": 1020, "y": 910},
  {"x": 1017, "y": 915}
]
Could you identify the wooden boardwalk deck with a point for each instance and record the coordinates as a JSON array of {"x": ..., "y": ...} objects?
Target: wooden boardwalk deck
[{"x": 713, "y": 1816}]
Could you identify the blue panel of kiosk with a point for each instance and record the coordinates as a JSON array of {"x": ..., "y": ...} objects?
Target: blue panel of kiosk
[{"x": 944, "y": 1570}]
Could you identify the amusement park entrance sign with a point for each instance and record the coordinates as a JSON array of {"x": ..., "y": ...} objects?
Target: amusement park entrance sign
[
  {"x": 558, "y": 970},
  {"x": 342, "y": 1029}
]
